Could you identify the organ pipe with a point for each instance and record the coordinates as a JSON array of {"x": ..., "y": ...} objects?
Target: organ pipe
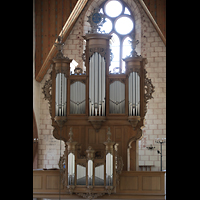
[
  {"x": 97, "y": 85},
  {"x": 134, "y": 94},
  {"x": 117, "y": 98},
  {"x": 61, "y": 95},
  {"x": 77, "y": 98}
]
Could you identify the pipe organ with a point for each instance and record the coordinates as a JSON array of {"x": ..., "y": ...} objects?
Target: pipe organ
[{"x": 90, "y": 103}]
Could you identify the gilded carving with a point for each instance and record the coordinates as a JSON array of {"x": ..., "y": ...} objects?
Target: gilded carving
[
  {"x": 90, "y": 195},
  {"x": 149, "y": 90},
  {"x": 99, "y": 50},
  {"x": 47, "y": 91}
]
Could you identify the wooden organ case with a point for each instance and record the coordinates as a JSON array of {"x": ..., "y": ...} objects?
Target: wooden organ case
[{"x": 103, "y": 114}]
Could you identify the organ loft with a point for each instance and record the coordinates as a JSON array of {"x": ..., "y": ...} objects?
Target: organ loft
[{"x": 100, "y": 115}]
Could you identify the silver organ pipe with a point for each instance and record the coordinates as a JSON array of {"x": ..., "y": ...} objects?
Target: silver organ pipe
[
  {"x": 117, "y": 98},
  {"x": 134, "y": 94},
  {"x": 77, "y": 98},
  {"x": 97, "y": 85},
  {"x": 61, "y": 95},
  {"x": 103, "y": 97},
  {"x": 96, "y": 90}
]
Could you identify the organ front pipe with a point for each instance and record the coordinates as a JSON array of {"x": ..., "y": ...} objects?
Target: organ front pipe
[
  {"x": 96, "y": 83},
  {"x": 103, "y": 87},
  {"x": 100, "y": 85},
  {"x": 93, "y": 77},
  {"x": 139, "y": 95}
]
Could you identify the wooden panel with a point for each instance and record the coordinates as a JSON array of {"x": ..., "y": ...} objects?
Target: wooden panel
[
  {"x": 91, "y": 136},
  {"x": 37, "y": 182},
  {"x": 129, "y": 183},
  {"x": 38, "y": 35},
  {"x": 52, "y": 182},
  {"x": 102, "y": 136},
  {"x": 146, "y": 185},
  {"x": 133, "y": 156},
  {"x": 157, "y": 9},
  {"x": 50, "y": 15},
  {"x": 150, "y": 183},
  {"x": 52, "y": 22},
  {"x": 141, "y": 182},
  {"x": 76, "y": 134}
]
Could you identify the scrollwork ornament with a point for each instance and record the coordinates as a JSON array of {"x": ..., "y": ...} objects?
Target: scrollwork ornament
[
  {"x": 47, "y": 91},
  {"x": 90, "y": 195},
  {"x": 149, "y": 90},
  {"x": 100, "y": 50}
]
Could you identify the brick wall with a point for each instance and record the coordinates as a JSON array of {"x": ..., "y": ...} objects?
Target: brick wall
[{"x": 151, "y": 47}]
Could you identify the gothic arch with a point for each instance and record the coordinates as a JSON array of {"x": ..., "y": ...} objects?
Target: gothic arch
[{"x": 132, "y": 6}]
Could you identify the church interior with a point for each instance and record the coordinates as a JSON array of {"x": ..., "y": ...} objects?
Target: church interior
[{"x": 99, "y": 99}]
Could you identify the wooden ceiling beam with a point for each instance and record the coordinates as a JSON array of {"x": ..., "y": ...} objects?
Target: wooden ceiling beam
[
  {"x": 153, "y": 21},
  {"x": 66, "y": 30}
]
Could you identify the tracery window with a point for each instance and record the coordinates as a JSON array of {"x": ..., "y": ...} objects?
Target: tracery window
[{"x": 120, "y": 24}]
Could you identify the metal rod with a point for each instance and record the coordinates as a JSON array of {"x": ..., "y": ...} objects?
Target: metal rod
[
  {"x": 103, "y": 87},
  {"x": 100, "y": 77},
  {"x": 161, "y": 156}
]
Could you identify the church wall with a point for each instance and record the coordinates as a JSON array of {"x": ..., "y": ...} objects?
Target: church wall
[
  {"x": 151, "y": 47},
  {"x": 155, "y": 127}
]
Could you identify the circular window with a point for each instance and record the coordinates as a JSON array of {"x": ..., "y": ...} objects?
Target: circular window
[
  {"x": 124, "y": 25},
  {"x": 107, "y": 26},
  {"x": 113, "y": 8}
]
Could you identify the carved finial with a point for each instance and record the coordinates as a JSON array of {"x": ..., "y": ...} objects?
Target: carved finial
[
  {"x": 59, "y": 46},
  {"x": 70, "y": 135},
  {"x": 108, "y": 134},
  {"x": 134, "y": 43}
]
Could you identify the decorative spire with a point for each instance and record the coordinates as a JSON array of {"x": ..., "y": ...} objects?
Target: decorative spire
[
  {"x": 134, "y": 43},
  {"x": 59, "y": 45}
]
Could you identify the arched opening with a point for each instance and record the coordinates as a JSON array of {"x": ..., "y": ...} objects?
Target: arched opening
[{"x": 125, "y": 11}]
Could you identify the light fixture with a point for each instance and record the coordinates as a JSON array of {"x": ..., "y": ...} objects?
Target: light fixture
[
  {"x": 161, "y": 141},
  {"x": 150, "y": 147}
]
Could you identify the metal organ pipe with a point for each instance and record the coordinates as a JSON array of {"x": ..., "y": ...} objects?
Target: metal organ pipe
[
  {"x": 117, "y": 97},
  {"x": 61, "y": 95},
  {"x": 77, "y": 98},
  {"x": 134, "y": 94},
  {"x": 103, "y": 87},
  {"x": 97, "y": 85}
]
